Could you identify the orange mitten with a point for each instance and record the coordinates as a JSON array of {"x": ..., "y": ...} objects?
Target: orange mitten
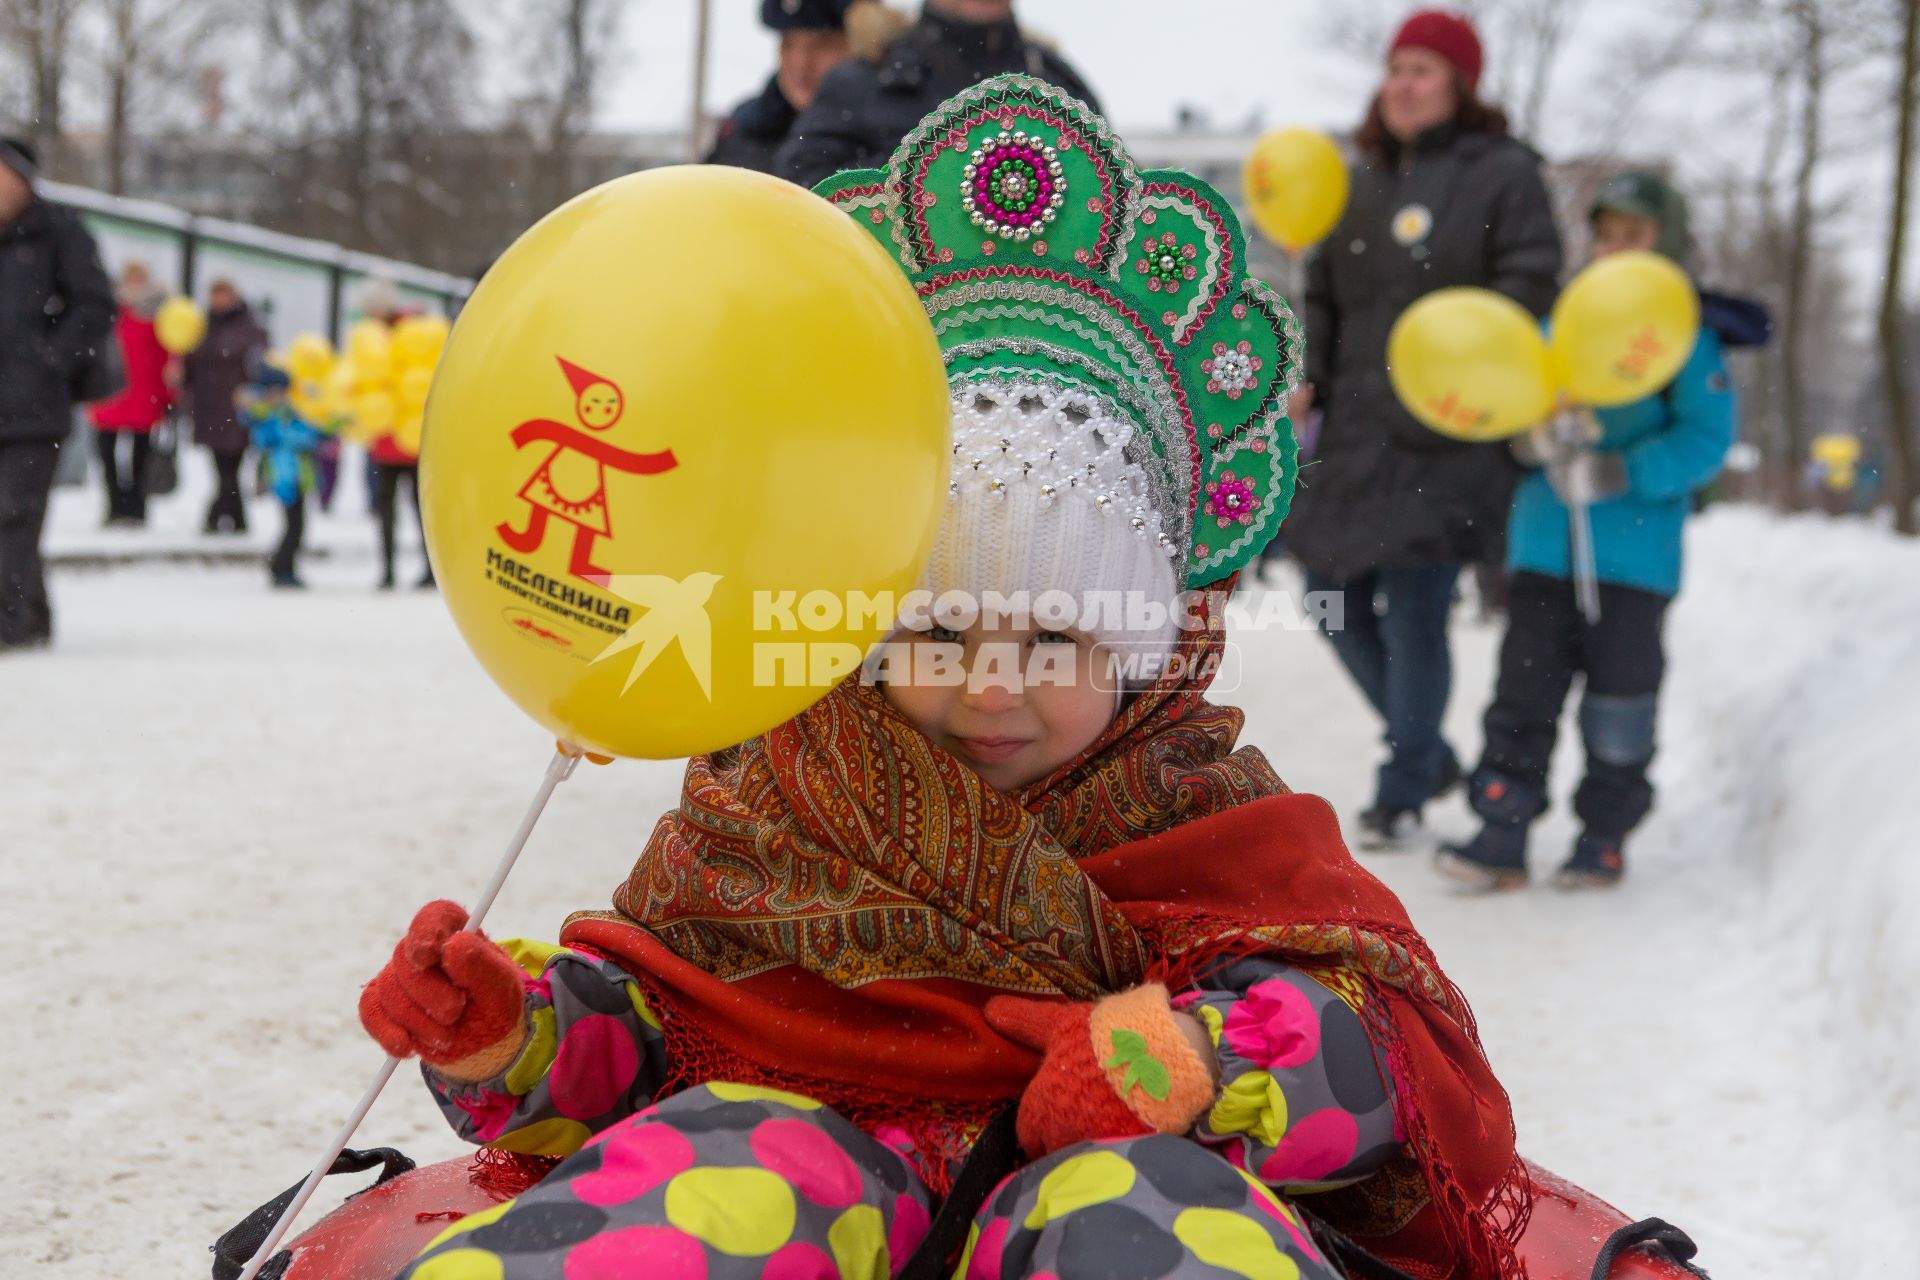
[{"x": 1114, "y": 1068}]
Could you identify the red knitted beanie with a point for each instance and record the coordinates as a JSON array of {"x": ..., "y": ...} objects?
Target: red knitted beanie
[{"x": 1448, "y": 34}]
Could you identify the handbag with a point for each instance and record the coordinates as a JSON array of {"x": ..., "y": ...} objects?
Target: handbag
[{"x": 163, "y": 456}]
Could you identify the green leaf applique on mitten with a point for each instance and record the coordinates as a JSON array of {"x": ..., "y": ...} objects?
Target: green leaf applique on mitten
[{"x": 1143, "y": 1069}]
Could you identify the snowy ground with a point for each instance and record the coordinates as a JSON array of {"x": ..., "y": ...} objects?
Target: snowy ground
[{"x": 220, "y": 804}]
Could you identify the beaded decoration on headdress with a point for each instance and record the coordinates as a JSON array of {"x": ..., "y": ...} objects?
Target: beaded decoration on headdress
[{"x": 1044, "y": 256}]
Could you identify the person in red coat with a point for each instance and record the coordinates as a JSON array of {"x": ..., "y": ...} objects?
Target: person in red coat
[
  {"x": 393, "y": 466},
  {"x": 132, "y": 415}
]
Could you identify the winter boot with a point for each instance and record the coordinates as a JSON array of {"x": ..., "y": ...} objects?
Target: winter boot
[
  {"x": 1597, "y": 862},
  {"x": 1496, "y": 859},
  {"x": 1384, "y": 829},
  {"x": 1492, "y": 862}
]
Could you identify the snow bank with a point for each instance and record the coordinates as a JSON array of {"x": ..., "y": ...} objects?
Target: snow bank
[{"x": 1812, "y": 716}]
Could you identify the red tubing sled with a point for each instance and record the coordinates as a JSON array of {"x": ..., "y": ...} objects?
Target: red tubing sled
[{"x": 1572, "y": 1234}]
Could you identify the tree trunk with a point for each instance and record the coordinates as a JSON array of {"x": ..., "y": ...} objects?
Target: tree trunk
[
  {"x": 121, "y": 59},
  {"x": 573, "y": 103},
  {"x": 1904, "y": 484},
  {"x": 358, "y": 181},
  {"x": 1800, "y": 253},
  {"x": 46, "y": 25},
  {"x": 117, "y": 91}
]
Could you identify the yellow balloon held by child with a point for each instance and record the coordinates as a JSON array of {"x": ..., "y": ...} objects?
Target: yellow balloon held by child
[
  {"x": 1296, "y": 187},
  {"x": 687, "y": 424},
  {"x": 180, "y": 325},
  {"x": 1623, "y": 328},
  {"x": 1470, "y": 364}
]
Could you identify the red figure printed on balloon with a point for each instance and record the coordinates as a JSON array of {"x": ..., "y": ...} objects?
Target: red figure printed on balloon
[{"x": 571, "y": 481}]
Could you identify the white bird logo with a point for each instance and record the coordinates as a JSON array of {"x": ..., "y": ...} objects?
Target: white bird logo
[{"x": 672, "y": 609}]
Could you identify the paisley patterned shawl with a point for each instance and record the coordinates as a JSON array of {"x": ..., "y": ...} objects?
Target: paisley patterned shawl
[
  {"x": 847, "y": 843},
  {"x": 833, "y": 902}
]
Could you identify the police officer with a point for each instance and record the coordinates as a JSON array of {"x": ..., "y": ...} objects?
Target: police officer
[
  {"x": 812, "y": 39},
  {"x": 875, "y": 98}
]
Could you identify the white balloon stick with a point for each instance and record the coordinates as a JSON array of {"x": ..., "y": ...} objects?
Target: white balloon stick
[{"x": 559, "y": 769}]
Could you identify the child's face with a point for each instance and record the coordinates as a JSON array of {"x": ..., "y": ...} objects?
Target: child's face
[
  {"x": 1012, "y": 703},
  {"x": 1616, "y": 232}
]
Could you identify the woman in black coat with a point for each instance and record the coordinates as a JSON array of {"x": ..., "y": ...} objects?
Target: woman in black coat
[
  {"x": 1389, "y": 512},
  {"x": 215, "y": 370}
]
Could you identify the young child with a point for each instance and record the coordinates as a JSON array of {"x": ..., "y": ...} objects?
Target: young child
[
  {"x": 1647, "y": 461},
  {"x": 286, "y": 445},
  {"x": 1041, "y": 892}
]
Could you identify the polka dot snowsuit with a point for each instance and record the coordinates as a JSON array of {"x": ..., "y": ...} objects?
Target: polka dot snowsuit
[{"x": 734, "y": 1182}]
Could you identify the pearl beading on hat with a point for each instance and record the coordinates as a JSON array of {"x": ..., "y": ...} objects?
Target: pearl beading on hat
[{"x": 1062, "y": 443}]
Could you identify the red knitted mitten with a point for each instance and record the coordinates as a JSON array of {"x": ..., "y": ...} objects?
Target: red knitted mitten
[
  {"x": 1115, "y": 1068},
  {"x": 445, "y": 995}
]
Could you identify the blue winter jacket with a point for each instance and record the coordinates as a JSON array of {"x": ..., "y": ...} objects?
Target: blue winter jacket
[
  {"x": 1674, "y": 443},
  {"x": 287, "y": 443}
]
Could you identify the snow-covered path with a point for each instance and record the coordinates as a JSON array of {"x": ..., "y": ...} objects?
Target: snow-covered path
[{"x": 218, "y": 805}]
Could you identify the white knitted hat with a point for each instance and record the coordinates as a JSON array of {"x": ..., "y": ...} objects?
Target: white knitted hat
[{"x": 1045, "y": 499}]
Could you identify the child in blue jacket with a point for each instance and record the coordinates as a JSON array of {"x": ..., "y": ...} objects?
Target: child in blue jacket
[
  {"x": 1646, "y": 461},
  {"x": 286, "y": 444}
]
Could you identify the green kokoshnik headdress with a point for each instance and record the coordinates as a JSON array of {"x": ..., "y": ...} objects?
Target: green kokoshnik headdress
[{"x": 1044, "y": 255}]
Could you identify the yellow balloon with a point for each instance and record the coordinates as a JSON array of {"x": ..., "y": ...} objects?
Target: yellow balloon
[
  {"x": 411, "y": 388},
  {"x": 406, "y": 433},
  {"x": 1470, "y": 364},
  {"x": 373, "y": 414},
  {"x": 1623, "y": 328},
  {"x": 679, "y": 405},
  {"x": 1296, "y": 187},
  {"x": 180, "y": 325},
  {"x": 309, "y": 400},
  {"x": 371, "y": 349},
  {"x": 309, "y": 357},
  {"x": 1836, "y": 450},
  {"x": 418, "y": 341},
  {"x": 336, "y": 395}
]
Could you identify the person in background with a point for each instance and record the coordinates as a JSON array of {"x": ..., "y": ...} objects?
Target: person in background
[
  {"x": 1638, "y": 473},
  {"x": 56, "y": 313},
  {"x": 215, "y": 372},
  {"x": 132, "y": 415},
  {"x": 894, "y": 77},
  {"x": 813, "y": 38},
  {"x": 1391, "y": 512},
  {"x": 394, "y": 467},
  {"x": 286, "y": 445}
]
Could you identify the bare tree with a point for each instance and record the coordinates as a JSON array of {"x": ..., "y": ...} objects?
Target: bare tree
[
  {"x": 143, "y": 47},
  {"x": 38, "y": 32},
  {"x": 570, "y": 45},
  {"x": 367, "y": 91},
  {"x": 1901, "y": 443},
  {"x": 1809, "y": 21},
  {"x": 1536, "y": 32}
]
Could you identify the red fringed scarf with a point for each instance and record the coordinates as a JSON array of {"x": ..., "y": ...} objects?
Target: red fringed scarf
[{"x": 833, "y": 903}]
